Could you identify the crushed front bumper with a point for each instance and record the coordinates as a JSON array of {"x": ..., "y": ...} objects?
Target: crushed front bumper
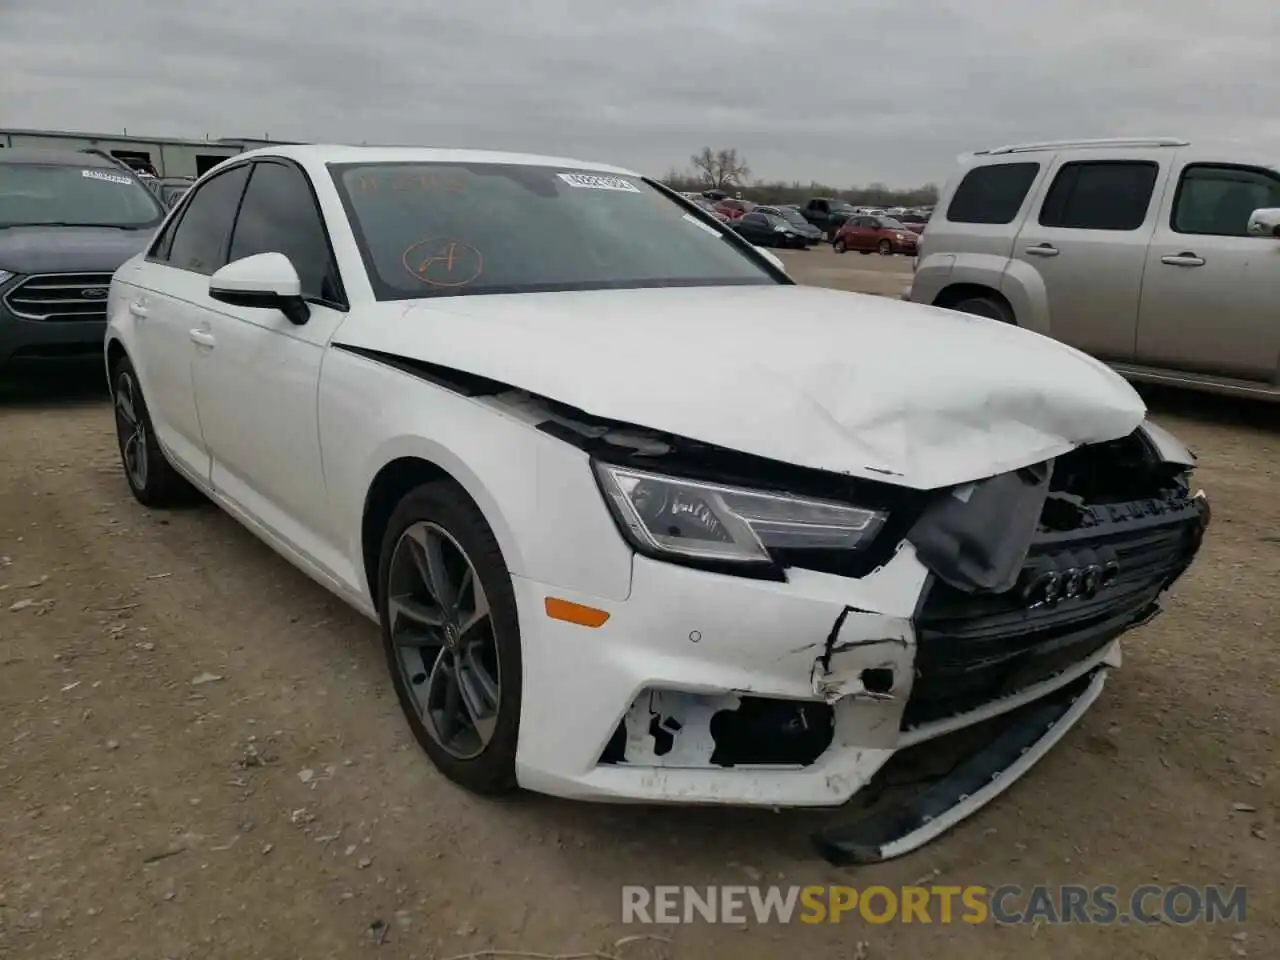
[{"x": 706, "y": 688}]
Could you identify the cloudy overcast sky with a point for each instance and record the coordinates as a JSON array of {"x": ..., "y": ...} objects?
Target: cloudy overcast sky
[{"x": 843, "y": 92}]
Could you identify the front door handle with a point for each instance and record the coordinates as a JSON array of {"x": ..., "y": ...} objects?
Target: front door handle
[
  {"x": 138, "y": 310},
  {"x": 1184, "y": 259},
  {"x": 1043, "y": 250},
  {"x": 202, "y": 337}
]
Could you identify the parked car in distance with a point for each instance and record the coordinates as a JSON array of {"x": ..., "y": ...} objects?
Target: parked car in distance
[
  {"x": 777, "y": 544},
  {"x": 733, "y": 208},
  {"x": 1155, "y": 255},
  {"x": 769, "y": 230},
  {"x": 883, "y": 235},
  {"x": 795, "y": 218},
  {"x": 827, "y": 214},
  {"x": 704, "y": 204},
  {"x": 68, "y": 219},
  {"x": 915, "y": 222}
]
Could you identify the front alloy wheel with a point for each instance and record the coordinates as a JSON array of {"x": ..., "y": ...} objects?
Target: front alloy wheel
[
  {"x": 451, "y": 635},
  {"x": 444, "y": 639}
]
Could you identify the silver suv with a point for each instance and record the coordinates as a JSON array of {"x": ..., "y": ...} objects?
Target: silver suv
[{"x": 1157, "y": 257}]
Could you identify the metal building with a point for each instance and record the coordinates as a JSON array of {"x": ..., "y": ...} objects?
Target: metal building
[{"x": 164, "y": 156}]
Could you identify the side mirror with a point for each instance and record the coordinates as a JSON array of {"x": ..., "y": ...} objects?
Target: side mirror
[
  {"x": 772, "y": 258},
  {"x": 1265, "y": 222},
  {"x": 265, "y": 281}
]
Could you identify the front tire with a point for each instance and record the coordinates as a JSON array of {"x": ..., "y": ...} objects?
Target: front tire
[
  {"x": 451, "y": 636},
  {"x": 152, "y": 480},
  {"x": 885, "y": 248},
  {"x": 838, "y": 246}
]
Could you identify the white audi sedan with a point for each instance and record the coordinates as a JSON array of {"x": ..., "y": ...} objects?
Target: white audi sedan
[{"x": 639, "y": 517}]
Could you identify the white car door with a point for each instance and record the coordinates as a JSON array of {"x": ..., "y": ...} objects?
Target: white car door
[
  {"x": 257, "y": 373},
  {"x": 165, "y": 296}
]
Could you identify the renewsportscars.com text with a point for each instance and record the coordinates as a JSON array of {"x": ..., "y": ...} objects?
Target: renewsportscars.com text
[{"x": 973, "y": 904}]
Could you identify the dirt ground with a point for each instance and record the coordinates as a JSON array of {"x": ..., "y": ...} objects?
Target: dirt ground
[{"x": 201, "y": 755}]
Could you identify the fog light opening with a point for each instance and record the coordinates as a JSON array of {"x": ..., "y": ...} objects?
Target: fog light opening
[{"x": 878, "y": 679}]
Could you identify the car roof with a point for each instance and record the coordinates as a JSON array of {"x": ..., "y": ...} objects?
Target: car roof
[
  {"x": 64, "y": 158},
  {"x": 316, "y": 154},
  {"x": 1212, "y": 151}
]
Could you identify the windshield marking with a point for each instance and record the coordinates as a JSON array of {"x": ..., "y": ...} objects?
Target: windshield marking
[
  {"x": 441, "y": 262},
  {"x": 591, "y": 181}
]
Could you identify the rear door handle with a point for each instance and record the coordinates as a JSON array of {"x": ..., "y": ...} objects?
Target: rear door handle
[
  {"x": 202, "y": 337},
  {"x": 1186, "y": 259},
  {"x": 1043, "y": 250},
  {"x": 138, "y": 310}
]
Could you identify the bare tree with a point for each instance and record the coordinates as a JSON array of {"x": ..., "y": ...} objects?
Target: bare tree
[{"x": 721, "y": 168}]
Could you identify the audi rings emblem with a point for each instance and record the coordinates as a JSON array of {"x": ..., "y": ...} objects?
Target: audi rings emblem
[{"x": 1048, "y": 581}]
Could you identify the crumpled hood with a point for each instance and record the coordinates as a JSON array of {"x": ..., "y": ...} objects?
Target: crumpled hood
[
  {"x": 844, "y": 382},
  {"x": 49, "y": 249}
]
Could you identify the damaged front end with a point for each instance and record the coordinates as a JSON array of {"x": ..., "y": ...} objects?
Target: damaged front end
[
  {"x": 861, "y": 620},
  {"x": 1033, "y": 577}
]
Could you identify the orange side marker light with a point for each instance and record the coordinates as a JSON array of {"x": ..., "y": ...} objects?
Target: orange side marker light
[{"x": 570, "y": 612}]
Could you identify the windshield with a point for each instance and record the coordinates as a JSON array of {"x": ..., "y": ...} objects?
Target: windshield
[
  {"x": 892, "y": 223},
  {"x": 841, "y": 208},
  {"x": 34, "y": 194},
  {"x": 794, "y": 216},
  {"x": 434, "y": 229}
]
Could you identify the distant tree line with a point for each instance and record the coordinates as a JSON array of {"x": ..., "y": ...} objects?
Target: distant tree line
[{"x": 728, "y": 170}]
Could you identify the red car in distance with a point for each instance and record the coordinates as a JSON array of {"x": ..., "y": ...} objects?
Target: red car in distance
[
  {"x": 883, "y": 235},
  {"x": 733, "y": 208}
]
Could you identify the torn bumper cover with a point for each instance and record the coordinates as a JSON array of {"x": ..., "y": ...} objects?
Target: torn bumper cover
[{"x": 1003, "y": 604}]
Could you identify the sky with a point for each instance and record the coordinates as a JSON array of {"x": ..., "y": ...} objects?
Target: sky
[{"x": 843, "y": 92}]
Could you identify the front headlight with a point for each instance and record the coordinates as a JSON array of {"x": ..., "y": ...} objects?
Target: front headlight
[
  {"x": 5, "y": 275},
  {"x": 674, "y": 518}
]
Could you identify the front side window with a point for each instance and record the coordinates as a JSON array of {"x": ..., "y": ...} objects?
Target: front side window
[
  {"x": 1218, "y": 200},
  {"x": 34, "y": 194},
  {"x": 435, "y": 229},
  {"x": 1100, "y": 195},
  {"x": 992, "y": 194},
  {"x": 201, "y": 237},
  {"x": 279, "y": 215}
]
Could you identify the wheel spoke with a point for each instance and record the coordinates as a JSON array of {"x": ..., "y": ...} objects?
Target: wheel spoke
[
  {"x": 431, "y": 567},
  {"x": 442, "y": 698},
  {"x": 415, "y": 611},
  {"x": 479, "y": 694},
  {"x": 124, "y": 403},
  {"x": 478, "y": 610}
]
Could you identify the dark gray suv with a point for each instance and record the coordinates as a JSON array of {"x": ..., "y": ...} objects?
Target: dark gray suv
[{"x": 67, "y": 221}]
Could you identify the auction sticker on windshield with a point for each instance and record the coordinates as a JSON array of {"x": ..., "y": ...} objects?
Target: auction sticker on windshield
[
  {"x": 595, "y": 181},
  {"x": 108, "y": 177}
]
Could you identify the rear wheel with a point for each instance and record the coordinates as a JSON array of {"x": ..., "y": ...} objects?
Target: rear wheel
[
  {"x": 985, "y": 307},
  {"x": 451, "y": 637},
  {"x": 152, "y": 481}
]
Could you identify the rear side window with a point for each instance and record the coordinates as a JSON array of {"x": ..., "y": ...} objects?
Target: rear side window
[
  {"x": 992, "y": 194},
  {"x": 201, "y": 238},
  {"x": 1218, "y": 200},
  {"x": 1100, "y": 195}
]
